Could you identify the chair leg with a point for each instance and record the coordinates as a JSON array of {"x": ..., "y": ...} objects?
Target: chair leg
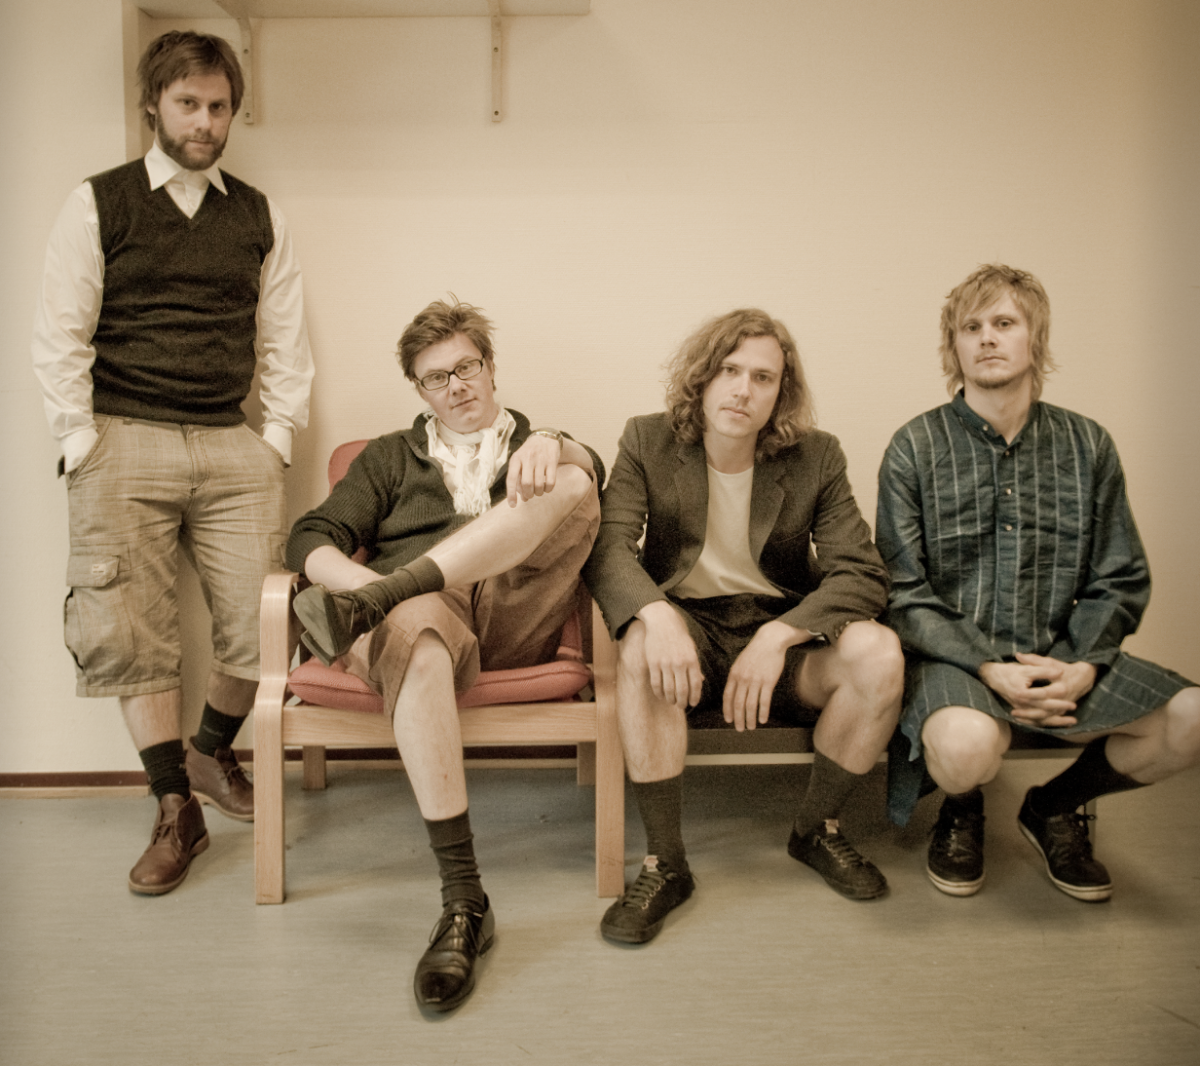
[
  {"x": 314, "y": 767},
  {"x": 585, "y": 763},
  {"x": 610, "y": 766},
  {"x": 268, "y": 804},
  {"x": 610, "y": 818}
]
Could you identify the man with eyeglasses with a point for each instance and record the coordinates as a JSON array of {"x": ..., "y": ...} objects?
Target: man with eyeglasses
[{"x": 480, "y": 526}]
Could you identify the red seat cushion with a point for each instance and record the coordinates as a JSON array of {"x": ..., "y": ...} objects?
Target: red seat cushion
[{"x": 332, "y": 686}]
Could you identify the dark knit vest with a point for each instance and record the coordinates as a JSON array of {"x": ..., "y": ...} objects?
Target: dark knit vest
[{"x": 175, "y": 341}]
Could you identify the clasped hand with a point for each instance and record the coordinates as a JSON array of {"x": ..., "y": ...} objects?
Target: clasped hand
[{"x": 1042, "y": 691}]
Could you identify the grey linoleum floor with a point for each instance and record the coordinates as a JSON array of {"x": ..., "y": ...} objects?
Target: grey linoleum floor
[{"x": 764, "y": 965}]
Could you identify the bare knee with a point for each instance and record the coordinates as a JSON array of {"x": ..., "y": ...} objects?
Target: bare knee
[
  {"x": 964, "y": 747},
  {"x": 574, "y": 482},
  {"x": 1182, "y": 732},
  {"x": 428, "y": 675},
  {"x": 872, "y": 655}
]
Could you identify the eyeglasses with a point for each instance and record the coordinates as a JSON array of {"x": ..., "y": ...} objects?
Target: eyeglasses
[{"x": 439, "y": 379}]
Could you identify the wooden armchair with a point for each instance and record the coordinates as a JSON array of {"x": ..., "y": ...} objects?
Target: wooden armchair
[{"x": 314, "y": 706}]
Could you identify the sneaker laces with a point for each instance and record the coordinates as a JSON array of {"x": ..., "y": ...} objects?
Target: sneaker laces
[
  {"x": 959, "y": 836},
  {"x": 842, "y": 851},
  {"x": 1074, "y": 837},
  {"x": 648, "y": 884}
]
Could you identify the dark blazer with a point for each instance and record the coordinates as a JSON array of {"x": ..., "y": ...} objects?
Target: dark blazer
[{"x": 806, "y": 532}]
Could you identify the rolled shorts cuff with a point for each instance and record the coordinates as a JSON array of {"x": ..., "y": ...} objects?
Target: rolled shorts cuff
[
  {"x": 133, "y": 688},
  {"x": 242, "y": 673}
]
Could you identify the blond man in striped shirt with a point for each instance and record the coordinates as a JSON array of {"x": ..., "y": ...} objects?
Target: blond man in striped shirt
[{"x": 1016, "y": 572}]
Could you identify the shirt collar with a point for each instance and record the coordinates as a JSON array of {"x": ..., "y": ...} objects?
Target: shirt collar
[
  {"x": 973, "y": 421},
  {"x": 162, "y": 168}
]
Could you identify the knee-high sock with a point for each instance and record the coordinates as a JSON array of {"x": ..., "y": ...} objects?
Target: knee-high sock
[
  {"x": 828, "y": 787},
  {"x": 660, "y": 804},
  {"x": 1089, "y": 776},
  {"x": 451, "y": 840}
]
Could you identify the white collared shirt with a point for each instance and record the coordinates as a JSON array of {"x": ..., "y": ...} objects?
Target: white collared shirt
[{"x": 73, "y": 291}]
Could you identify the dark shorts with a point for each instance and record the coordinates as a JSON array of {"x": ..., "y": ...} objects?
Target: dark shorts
[
  {"x": 722, "y": 626},
  {"x": 1128, "y": 690}
]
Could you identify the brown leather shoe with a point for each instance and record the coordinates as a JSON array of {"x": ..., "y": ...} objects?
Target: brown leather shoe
[
  {"x": 218, "y": 780},
  {"x": 179, "y": 836}
]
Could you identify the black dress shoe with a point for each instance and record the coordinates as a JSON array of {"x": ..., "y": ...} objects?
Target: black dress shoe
[
  {"x": 446, "y": 973},
  {"x": 334, "y": 620}
]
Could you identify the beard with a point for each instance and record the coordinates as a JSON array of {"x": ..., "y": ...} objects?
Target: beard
[
  {"x": 178, "y": 150},
  {"x": 1001, "y": 379}
]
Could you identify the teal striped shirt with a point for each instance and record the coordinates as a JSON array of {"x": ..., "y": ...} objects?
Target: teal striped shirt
[{"x": 998, "y": 548}]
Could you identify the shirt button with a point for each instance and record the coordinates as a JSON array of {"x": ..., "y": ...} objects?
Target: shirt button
[
  {"x": 1009, "y": 528},
  {"x": 1008, "y": 492},
  {"x": 1007, "y": 454}
]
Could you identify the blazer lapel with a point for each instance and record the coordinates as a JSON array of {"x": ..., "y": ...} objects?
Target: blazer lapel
[
  {"x": 691, "y": 486},
  {"x": 766, "y": 501}
]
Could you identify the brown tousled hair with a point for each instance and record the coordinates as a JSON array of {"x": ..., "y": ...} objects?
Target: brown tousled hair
[
  {"x": 179, "y": 54},
  {"x": 699, "y": 359},
  {"x": 439, "y": 322}
]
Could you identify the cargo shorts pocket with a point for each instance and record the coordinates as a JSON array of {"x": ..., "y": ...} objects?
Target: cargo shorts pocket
[{"x": 95, "y": 623}]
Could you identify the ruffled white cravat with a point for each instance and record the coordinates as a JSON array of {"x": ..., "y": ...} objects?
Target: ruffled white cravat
[{"x": 471, "y": 461}]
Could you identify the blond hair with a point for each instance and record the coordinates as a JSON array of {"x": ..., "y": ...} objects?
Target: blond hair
[{"x": 982, "y": 289}]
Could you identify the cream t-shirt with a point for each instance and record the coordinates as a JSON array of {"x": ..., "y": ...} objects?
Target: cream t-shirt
[{"x": 725, "y": 566}]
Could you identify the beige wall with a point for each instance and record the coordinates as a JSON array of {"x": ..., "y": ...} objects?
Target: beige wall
[{"x": 842, "y": 164}]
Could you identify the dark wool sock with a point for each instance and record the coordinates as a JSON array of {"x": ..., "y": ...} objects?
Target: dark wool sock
[
  {"x": 967, "y": 802},
  {"x": 828, "y": 787},
  {"x": 426, "y": 576},
  {"x": 1089, "y": 776},
  {"x": 217, "y": 730},
  {"x": 451, "y": 840},
  {"x": 164, "y": 768},
  {"x": 420, "y": 576},
  {"x": 660, "y": 804}
]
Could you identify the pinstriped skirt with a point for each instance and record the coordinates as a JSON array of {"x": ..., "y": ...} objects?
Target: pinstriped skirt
[{"x": 1128, "y": 690}]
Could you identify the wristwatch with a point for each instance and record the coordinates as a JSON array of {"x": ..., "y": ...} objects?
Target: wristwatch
[{"x": 553, "y": 434}]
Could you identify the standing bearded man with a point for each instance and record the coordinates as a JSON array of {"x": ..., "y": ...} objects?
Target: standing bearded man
[{"x": 167, "y": 281}]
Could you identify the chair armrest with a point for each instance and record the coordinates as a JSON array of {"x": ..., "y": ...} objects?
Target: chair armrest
[{"x": 278, "y": 627}]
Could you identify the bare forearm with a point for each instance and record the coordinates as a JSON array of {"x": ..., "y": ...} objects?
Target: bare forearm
[{"x": 575, "y": 454}]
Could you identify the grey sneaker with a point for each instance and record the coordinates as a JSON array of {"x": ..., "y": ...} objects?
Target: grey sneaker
[
  {"x": 834, "y": 858},
  {"x": 639, "y": 914}
]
